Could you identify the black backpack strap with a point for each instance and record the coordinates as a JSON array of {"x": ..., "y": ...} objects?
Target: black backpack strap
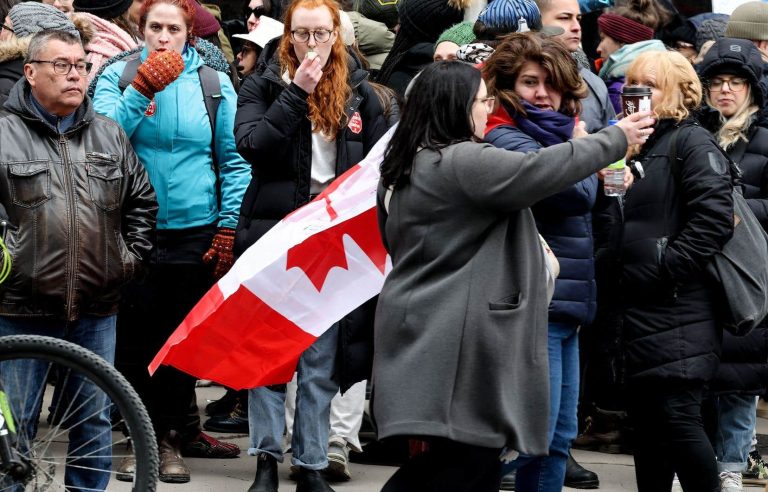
[
  {"x": 209, "y": 80},
  {"x": 129, "y": 72},
  {"x": 211, "y": 85}
]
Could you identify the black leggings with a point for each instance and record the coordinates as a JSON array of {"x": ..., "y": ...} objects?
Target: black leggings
[
  {"x": 670, "y": 438},
  {"x": 449, "y": 466}
]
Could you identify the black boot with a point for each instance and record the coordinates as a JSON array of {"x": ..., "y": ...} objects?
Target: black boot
[
  {"x": 578, "y": 477},
  {"x": 311, "y": 481},
  {"x": 508, "y": 481},
  {"x": 266, "y": 474}
]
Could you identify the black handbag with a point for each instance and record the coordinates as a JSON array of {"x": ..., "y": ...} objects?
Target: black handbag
[{"x": 741, "y": 267}]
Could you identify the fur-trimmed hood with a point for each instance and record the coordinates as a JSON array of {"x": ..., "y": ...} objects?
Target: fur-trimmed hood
[{"x": 14, "y": 48}]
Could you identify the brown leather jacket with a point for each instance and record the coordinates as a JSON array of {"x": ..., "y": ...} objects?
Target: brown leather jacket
[{"x": 80, "y": 211}]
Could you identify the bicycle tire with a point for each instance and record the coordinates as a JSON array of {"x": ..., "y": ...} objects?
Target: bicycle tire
[{"x": 120, "y": 394}]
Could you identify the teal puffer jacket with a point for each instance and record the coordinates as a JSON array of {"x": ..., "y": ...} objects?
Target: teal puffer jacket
[{"x": 174, "y": 144}]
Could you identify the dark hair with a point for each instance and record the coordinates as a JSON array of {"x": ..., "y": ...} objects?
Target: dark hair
[
  {"x": 503, "y": 68},
  {"x": 5, "y": 7},
  {"x": 649, "y": 13},
  {"x": 437, "y": 113},
  {"x": 124, "y": 22}
]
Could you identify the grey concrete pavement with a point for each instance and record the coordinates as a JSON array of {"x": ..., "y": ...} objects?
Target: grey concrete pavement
[{"x": 616, "y": 471}]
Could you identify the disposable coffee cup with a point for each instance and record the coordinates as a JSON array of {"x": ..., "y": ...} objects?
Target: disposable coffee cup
[{"x": 635, "y": 99}]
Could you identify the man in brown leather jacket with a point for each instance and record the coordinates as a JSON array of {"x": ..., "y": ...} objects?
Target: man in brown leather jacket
[{"x": 80, "y": 210}]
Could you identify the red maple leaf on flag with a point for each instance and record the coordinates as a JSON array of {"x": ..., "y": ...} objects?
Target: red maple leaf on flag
[{"x": 317, "y": 254}]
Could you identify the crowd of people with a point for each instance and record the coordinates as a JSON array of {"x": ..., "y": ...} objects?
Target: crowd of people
[{"x": 527, "y": 312}]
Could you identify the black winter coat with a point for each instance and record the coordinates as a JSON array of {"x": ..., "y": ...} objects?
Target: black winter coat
[
  {"x": 273, "y": 133},
  {"x": 672, "y": 227},
  {"x": 744, "y": 360},
  {"x": 411, "y": 63}
]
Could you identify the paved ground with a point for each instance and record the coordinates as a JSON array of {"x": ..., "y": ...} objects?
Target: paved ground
[{"x": 615, "y": 471}]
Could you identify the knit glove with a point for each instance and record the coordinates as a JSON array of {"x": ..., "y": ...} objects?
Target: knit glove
[
  {"x": 220, "y": 252},
  {"x": 158, "y": 70}
]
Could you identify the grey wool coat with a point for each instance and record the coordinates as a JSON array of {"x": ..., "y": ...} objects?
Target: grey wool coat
[{"x": 460, "y": 337}]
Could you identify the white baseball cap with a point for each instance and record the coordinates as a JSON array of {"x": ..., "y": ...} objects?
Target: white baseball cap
[{"x": 267, "y": 30}]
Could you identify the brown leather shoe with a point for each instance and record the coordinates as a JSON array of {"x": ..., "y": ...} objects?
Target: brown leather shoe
[
  {"x": 172, "y": 466},
  {"x": 125, "y": 470}
]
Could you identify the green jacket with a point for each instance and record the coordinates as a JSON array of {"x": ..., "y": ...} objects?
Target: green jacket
[{"x": 373, "y": 39}]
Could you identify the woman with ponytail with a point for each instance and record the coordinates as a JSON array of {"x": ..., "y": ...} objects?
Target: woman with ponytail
[{"x": 307, "y": 118}]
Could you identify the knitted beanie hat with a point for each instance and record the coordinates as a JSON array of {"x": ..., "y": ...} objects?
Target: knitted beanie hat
[
  {"x": 749, "y": 21},
  {"x": 710, "y": 30},
  {"x": 425, "y": 20},
  {"x": 622, "y": 29},
  {"x": 459, "y": 34},
  {"x": 205, "y": 24},
  {"x": 507, "y": 16},
  {"x": 106, "y": 9},
  {"x": 384, "y": 11},
  {"x": 27, "y": 18}
]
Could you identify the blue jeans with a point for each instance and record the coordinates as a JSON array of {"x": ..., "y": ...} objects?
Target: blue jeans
[
  {"x": 733, "y": 437},
  {"x": 89, "y": 405},
  {"x": 547, "y": 473},
  {"x": 311, "y": 424}
]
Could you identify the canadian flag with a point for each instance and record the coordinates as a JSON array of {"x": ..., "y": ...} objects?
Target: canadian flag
[{"x": 310, "y": 270}]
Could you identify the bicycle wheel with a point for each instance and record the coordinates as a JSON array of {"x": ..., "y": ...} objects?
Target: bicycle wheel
[{"x": 74, "y": 443}]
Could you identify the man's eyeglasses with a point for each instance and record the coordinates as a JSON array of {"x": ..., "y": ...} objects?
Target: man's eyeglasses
[
  {"x": 736, "y": 84},
  {"x": 302, "y": 35},
  {"x": 3, "y": 26},
  {"x": 63, "y": 68}
]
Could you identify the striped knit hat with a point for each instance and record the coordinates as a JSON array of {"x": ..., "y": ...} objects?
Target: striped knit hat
[{"x": 506, "y": 16}]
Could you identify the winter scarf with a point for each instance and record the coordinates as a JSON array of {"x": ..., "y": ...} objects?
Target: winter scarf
[
  {"x": 547, "y": 127},
  {"x": 108, "y": 40}
]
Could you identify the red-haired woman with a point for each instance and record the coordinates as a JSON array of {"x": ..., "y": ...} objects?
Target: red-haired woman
[
  {"x": 308, "y": 117},
  {"x": 164, "y": 114}
]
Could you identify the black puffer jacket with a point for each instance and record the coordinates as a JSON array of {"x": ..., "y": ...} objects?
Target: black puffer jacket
[
  {"x": 744, "y": 360},
  {"x": 273, "y": 133},
  {"x": 81, "y": 210},
  {"x": 672, "y": 227}
]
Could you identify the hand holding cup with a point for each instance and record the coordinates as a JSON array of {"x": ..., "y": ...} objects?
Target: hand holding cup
[{"x": 637, "y": 127}]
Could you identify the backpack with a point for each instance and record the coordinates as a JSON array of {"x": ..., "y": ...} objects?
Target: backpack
[
  {"x": 741, "y": 267},
  {"x": 209, "y": 81}
]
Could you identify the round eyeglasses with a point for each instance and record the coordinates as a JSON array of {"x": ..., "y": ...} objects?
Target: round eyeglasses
[
  {"x": 736, "y": 84},
  {"x": 63, "y": 68},
  {"x": 302, "y": 35}
]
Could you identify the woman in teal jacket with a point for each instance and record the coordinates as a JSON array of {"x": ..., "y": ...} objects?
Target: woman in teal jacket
[{"x": 200, "y": 180}]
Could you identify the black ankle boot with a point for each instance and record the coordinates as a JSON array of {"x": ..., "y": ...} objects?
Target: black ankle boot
[
  {"x": 266, "y": 474},
  {"x": 578, "y": 477},
  {"x": 311, "y": 481}
]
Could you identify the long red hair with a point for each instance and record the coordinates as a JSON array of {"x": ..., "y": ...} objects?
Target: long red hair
[{"x": 327, "y": 102}]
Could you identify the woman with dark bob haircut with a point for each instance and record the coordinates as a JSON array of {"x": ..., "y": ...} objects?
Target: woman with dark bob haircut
[
  {"x": 461, "y": 323},
  {"x": 540, "y": 89}
]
